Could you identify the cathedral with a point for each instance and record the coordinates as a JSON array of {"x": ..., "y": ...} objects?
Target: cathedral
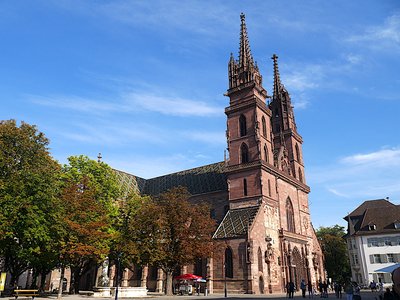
[{"x": 258, "y": 195}]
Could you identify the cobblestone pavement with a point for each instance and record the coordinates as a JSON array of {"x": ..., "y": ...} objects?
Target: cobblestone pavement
[{"x": 365, "y": 295}]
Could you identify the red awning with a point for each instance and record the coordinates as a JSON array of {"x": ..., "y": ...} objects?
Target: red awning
[{"x": 187, "y": 277}]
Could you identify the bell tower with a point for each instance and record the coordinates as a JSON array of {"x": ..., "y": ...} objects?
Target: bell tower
[
  {"x": 287, "y": 141},
  {"x": 248, "y": 127}
]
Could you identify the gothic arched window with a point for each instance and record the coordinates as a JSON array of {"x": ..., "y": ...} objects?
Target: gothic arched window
[
  {"x": 264, "y": 126},
  {"x": 297, "y": 152},
  {"x": 266, "y": 153},
  {"x": 244, "y": 187},
  {"x": 260, "y": 260},
  {"x": 300, "y": 175},
  {"x": 244, "y": 153},
  {"x": 228, "y": 263},
  {"x": 242, "y": 125},
  {"x": 290, "y": 216}
]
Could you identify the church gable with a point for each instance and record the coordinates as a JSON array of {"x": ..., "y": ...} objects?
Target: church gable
[{"x": 236, "y": 223}]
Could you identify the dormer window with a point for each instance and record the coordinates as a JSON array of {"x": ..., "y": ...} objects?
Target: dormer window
[{"x": 371, "y": 227}]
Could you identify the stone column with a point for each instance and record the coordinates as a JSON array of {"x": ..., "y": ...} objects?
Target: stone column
[
  {"x": 125, "y": 275},
  {"x": 160, "y": 279},
  {"x": 143, "y": 281},
  {"x": 209, "y": 276}
]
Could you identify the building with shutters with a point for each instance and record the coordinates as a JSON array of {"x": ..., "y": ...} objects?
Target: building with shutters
[{"x": 373, "y": 239}]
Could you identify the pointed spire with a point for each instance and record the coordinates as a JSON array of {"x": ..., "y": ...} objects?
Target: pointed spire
[
  {"x": 277, "y": 79},
  {"x": 245, "y": 57}
]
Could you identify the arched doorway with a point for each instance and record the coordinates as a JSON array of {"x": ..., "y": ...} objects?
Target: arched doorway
[{"x": 298, "y": 267}]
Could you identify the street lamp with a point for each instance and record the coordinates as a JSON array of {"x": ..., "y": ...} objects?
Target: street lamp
[{"x": 117, "y": 274}]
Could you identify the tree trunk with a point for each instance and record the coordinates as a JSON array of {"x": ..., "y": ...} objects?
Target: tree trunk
[
  {"x": 77, "y": 279},
  {"x": 169, "y": 283},
  {"x": 60, "y": 286}
]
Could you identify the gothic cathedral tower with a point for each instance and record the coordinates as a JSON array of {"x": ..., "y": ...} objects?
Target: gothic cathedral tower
[
  {"x": 265, "y": 172},
  {"x": 250, "y": 142}
]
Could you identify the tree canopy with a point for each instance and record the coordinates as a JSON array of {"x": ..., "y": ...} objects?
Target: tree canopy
[
  {"x": 171, "y": 232},
  {"x": 334, "y": 248},
  {"x": 29, "y": 180}
]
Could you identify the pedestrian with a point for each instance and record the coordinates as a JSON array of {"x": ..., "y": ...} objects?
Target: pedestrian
[
  {"x": 340, "y": 290},
  {"x": 303, "y": 287},
  {"x": 310, "y": 290},
  {"x": 349, "y": 290},
  {"x": 325, "y": 289},
  {"x": 291, "y": 289},
  {"x": 388, "y": 295}
]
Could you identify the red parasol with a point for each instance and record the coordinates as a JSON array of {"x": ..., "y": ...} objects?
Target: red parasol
[{"x": 187, "y": 277}]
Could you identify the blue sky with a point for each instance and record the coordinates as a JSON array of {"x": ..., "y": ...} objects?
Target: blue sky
[{"x": 142, "y": 82}]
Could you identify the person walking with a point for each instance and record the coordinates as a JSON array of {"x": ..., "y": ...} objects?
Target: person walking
[
  {"x": 291, "y": 289},
  {"x": 349, "y": 290},
  {"x": 310, "y": 290},
  {"x": 303, "y": 287}
]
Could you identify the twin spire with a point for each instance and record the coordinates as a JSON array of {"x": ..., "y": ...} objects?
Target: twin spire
[
  {"x": 245, "y": 57},
  {"x": 245, "y": 71}
]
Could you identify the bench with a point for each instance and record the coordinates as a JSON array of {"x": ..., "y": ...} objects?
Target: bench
[{"x": 26, "y": 293}]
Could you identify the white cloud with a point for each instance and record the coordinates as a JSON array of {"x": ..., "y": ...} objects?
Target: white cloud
[
  {"x": 383, "y": 158},
  {"x": 172, "y": 106},
  {"x": 384, "y": 37},
  {"x": 362, "y": 176},
  {"x": 131, "y": 102}
]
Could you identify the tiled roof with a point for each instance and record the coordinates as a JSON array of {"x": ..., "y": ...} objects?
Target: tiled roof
[
  {"x": 236, "y": 222},
  {"x": 129, "y": 183},
  {"x": 374, "y": 217},
  {"x": 205, "y": 179}
]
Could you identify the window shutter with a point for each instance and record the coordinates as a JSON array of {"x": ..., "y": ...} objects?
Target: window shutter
[{"x": 371, "y": 258}]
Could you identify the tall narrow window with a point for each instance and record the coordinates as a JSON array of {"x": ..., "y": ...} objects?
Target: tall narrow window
[
  {"x": 300, "y": 175},
  {"x": 260, "y": 260},
  {"x": 297, "y": 152},
  {"x": 242, "y": 125},
  {"x": 289, "y": 216},
  {"x": 264, "y": 126},
  {"x": 269, "y": 187},
  {"x": 266, "y": 153},
  {"x": 244, "y": 153},
  {"x": 245, "y": 187},
  {"x": 228, "y": 263}
]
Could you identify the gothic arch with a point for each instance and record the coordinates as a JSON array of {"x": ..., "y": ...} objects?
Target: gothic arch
[
  {"x": 242, "y": 125},
  {"x": 260, "y": 260},
  {"x": 244, "y": 153},
  {"x": 300, "y": 175},
  {"x": 266, "y": 153},
  {"x": 298, "y": 267},
  {"x": 290, "y": 216},
  {"x": 264, "y": 126},
  {"x": 228, "y": 262},
  {"x": 297, "y": 152}
]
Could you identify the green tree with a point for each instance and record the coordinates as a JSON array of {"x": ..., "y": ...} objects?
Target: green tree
[
  {"x": 88, "y": 240},
  {"x": 28, "y": 191},
  {"x": 335, "y": 251},
  {"x": 170, "y": 232},
  {"x": 100, "y": 178}
]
